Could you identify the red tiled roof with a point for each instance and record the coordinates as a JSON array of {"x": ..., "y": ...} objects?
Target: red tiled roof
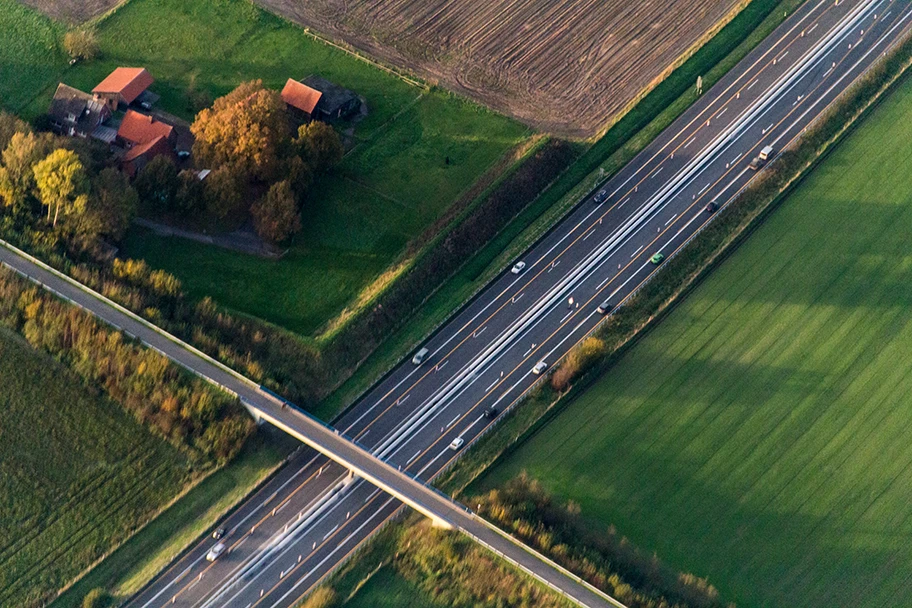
[
  {"x": 300, "y": 96},
  {"x": 137, "y": 151},
  {"x": 140, "y": 129},
  {"x": 128, "y": 82}
]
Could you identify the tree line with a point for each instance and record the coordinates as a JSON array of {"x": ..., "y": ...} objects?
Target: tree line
[
  {"x": 193, "y": 415},
  {"x": 602, "y": 557}
]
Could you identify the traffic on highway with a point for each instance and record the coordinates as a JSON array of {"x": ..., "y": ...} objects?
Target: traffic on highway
[{"x": 456, "y": 385}]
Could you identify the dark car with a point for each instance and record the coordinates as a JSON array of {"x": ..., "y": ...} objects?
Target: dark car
[
  {"x": 490, "y": 413},
  {"x": 600, "y": 196},
  {"x": 219, "y": 532},
  {"x": 604, "y": 308},
  {"x": 712, "y": 207}
]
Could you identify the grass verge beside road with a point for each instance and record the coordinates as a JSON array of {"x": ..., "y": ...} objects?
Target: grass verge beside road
[
  {"x": 133, "y": 564},
  {"x": 758, "y": 436}
]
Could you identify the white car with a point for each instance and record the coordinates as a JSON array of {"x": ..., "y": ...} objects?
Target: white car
[
  {"x": 457, "y": 443},
  {"x": 518, "y": 267},
  {"x": 215, "y": 551},
  {"x": 539, "y": 368}
]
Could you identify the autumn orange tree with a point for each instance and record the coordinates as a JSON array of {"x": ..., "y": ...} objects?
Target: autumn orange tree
[{"x": 246, "y": 130}]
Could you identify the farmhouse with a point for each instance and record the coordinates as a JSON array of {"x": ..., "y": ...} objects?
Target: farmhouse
[
  {"x": 122, "y": 87},
  {"x": 78, "y": 114},
  {"x": 137, "y": 129},
  {"x": 316, "y": 98}
]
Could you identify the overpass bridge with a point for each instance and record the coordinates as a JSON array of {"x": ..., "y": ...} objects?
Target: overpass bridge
[{"x": 264, "y": 406}]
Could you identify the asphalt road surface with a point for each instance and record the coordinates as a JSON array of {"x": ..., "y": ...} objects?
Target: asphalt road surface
[{"x": 290, "y": 534}]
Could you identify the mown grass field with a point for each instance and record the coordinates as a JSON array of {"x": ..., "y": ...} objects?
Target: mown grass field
[
  {"x": 760, "y": 435},
  {"x": 77, "y": 474},
  {"x": 30, "y": 56},
  {"x": 389, "y": 188}
]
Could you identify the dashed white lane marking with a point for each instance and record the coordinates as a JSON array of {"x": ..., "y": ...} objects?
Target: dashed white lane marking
[
  {"x": 413, "y": 457},
  {"x": 656, "y": 174},
  {"x": 690, "y": 142},
  {"x": 480, "y": 331},
  {"x": 623, "y": 202},
  {"x": 336, "y": 527},
  {"x": 637, "y": 251},
  {"x": 672, "y": 219},
  {"x": 724, "y": 110},
  {"x": 751, "y": 85}
]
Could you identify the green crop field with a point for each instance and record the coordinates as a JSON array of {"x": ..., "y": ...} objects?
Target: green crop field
[
  {"x": 416, "y": 150},
  {"x": 77, "y": 474},
  {"x": 760, "y": 435}
]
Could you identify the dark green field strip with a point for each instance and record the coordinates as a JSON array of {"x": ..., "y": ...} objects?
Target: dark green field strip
[{"x": 759, "y": 436}]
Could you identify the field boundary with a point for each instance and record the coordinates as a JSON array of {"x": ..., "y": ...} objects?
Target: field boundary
[{"x": 639, "y": 320}]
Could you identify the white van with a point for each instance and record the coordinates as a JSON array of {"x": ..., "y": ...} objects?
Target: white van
[{"x": 765, "y": 153}]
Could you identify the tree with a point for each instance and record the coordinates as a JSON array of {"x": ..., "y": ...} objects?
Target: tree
[
  {"x": 113, "y": 203},
  {"x": 9, "y": 125},
  {"x": 61, "y": 182},
  {"x": 224, "y": 192},
  {"x": 157, "y": 184},
  {"x": 275, "y": 216},
  {"x": 246, "y": 129},
  {"x": 81, "y": 44},
  {"x": 96, "y": 598},
  {"x": 190, "y": 193},
  {"x": 16, "y": 177},
  {"x": 319, "y": 145}
]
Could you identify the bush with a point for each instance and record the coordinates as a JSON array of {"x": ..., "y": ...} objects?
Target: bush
[
  {"x": 96, "y": 598},
  {"x": 81, "y": 44}
]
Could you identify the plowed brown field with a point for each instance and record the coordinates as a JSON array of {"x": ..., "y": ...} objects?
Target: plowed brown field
[
  {"x": 72, "y": 11},
  {"x": 563, "y": 66}
]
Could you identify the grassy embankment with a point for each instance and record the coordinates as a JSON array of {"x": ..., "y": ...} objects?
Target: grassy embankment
[
  {"x": 417, "y": 148},
  {"x": 612, "y": 151},
  {"x": 757, "y": 435},
  {"x": 77, "y": 473}
]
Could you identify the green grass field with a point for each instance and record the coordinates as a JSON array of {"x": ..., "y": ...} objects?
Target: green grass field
[
  {"x": 760, "y": 434},
  {"x": 30, "y": 56},
  {"x": 389, "y": 589},
  {"x": 77, "y": 474},
  {"x": 393, "y": 185}
]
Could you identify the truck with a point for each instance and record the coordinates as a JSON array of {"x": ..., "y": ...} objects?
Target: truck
[{"x": 761, "y": 158}]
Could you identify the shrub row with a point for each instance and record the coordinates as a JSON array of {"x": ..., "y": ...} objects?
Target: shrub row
[
  {"x": 206, "y": 423},
  {"x": 603, "y": 558}
]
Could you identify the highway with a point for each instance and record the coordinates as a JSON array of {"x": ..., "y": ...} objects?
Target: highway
[
  {"x": 484, "y": 355},
  {"x": 312, "y": 515}
]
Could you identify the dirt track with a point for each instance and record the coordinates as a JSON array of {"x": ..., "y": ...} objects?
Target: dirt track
[{"x": 563, "y": 66}]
